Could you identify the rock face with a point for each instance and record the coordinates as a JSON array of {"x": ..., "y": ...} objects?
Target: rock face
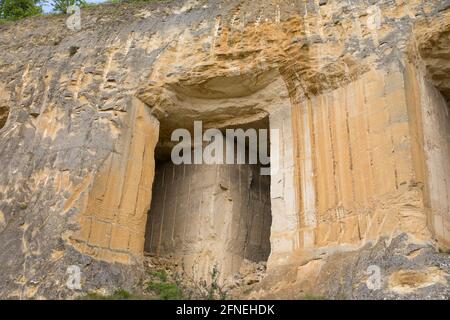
[
  {"x": 358, "y": 91},
  {"x": 210, "y": 215},
  {"x": 394, "y": 268}
]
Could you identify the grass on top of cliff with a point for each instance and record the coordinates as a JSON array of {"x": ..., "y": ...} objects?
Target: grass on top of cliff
[
  {"x": 130, "y": 1},
  {"x": 36, "y": 11}
]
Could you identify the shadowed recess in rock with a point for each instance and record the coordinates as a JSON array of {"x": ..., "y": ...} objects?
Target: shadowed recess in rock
[
  {"x": 4, "y": 112},
  {"x": 210, "y": 215}
]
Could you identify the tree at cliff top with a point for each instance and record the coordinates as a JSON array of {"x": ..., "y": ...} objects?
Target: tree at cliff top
[
  {"x": 62, "y": 5},
  {"x": 16, "y": 9}
]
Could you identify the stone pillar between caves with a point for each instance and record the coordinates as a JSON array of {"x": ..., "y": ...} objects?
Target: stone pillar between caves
[{"x": 112, "y": 225}]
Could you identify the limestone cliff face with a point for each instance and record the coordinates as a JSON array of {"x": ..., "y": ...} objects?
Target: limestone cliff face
[{"x": 359, "y": 91}]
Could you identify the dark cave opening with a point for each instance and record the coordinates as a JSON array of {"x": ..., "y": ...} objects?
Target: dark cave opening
[{"x": 210, "y": 214}]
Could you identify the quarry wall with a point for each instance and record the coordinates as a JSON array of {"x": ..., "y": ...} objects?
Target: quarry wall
[
  {"x": 355, "y": 89},
  {"x": 210, "y": 215}
]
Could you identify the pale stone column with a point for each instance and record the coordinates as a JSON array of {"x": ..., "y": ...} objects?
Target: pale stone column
[
  {"x": 431, "y": 130},
  {"x": 284, "y": 231}
]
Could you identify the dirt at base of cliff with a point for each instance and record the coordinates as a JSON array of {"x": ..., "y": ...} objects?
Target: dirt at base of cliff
[
  {"x": 390, "y": 269},
  {"x": 166, "y": 278},
  {"x": 397, "y": 268}
]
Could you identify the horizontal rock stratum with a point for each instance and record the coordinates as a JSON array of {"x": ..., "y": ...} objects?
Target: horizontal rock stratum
[{"x": 359, "y": 91}]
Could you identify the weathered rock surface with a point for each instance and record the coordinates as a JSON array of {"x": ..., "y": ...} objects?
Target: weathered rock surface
[
  {"x": 356, "y": 89},
  {"x": 202, "y": 214},
  {"x": 389, "y": 269}
]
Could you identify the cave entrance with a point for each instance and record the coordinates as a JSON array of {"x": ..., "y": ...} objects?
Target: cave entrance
[{"x": 209, "y": 215}]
